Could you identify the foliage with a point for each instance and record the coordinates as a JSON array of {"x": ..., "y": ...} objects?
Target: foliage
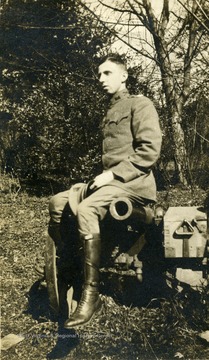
[
  {"x": 51, "y": 106},
  {"x": 59, "y": 133},
  {"x": 9, "y": 184},
  {"x": 196, "y": 128}
]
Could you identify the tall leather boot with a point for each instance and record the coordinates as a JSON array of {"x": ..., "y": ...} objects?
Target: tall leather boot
[{"x": 90, "y": 302}]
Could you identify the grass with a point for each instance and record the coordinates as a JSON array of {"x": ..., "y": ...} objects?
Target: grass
[{"x": 137, "y": 321}]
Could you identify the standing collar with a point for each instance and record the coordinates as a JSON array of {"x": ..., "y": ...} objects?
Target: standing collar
[{"x": 119, "y": 96}]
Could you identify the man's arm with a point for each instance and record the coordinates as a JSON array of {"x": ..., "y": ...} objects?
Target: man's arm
[{"x": 147, "y": 140}]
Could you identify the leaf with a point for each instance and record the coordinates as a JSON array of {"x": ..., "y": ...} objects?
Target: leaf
[
  {"x": 10, "y": 340},
  {"x": 178, "y": 355},
  {"x": 204, "y": 335}
]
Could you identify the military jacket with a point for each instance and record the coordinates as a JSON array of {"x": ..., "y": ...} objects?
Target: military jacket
[{"x": 132, "y": 143}]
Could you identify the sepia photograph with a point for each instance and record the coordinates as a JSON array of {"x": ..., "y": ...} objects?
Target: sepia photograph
[{"x": 104, "y": 179}]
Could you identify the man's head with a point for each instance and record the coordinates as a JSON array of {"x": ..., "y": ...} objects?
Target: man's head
[{"x": 113, "y": 73}]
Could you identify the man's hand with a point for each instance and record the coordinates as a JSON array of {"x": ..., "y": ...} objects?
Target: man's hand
[{"x": 102, "y": 179}]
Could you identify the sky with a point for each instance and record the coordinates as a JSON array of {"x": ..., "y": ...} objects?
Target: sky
[
  {"x": 136, "y": 33},
  {"x": 139, "y": 37}
]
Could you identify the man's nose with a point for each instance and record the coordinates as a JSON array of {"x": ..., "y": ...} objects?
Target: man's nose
[{"x": 101, "y": 78}]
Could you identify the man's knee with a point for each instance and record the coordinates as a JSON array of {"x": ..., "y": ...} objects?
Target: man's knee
[{"x": 56, "y": 206}]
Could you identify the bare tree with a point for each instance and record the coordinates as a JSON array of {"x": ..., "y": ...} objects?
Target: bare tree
[{"x": 177, "y": 37}]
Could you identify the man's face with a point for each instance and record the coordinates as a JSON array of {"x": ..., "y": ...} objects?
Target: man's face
[{"x": 112, "y": 76}]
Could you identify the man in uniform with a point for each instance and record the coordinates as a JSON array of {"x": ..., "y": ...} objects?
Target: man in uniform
[{"x": 131, "y": 146}]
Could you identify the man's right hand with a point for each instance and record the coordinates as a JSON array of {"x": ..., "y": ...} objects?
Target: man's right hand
[{"x": 102, "y": 179}]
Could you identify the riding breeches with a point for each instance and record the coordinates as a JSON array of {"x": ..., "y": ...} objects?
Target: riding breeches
[{"x": 89, "y": 210}]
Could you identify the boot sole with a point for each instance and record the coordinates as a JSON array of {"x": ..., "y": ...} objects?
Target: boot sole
[{"x": 97, "y": 312}]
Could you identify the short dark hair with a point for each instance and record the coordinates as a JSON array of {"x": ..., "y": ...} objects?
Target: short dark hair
[{"x": 115, "y": 58}]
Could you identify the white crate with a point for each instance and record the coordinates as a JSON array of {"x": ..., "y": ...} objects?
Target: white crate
[{"x": 185, "y": 232}]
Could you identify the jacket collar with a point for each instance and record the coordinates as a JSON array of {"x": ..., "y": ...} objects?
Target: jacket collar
[{"x": 120, "y": 95}]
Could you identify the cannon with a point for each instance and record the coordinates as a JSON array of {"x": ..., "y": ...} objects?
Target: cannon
[
  {"x": 185, "y": 228},
  {"x": 123, "y": 209},
  {"x": 175, "y": 238}
]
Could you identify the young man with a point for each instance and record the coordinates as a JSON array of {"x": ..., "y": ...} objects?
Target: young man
[{"x": 131, "y": 146}]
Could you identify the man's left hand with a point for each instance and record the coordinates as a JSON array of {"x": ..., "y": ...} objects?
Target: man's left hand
[{"x": 102, "y": 180}]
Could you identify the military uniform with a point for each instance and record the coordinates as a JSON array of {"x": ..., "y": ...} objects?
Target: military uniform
[
  {"x": 131, "y": 146},
  {"x": 132, "y": 142}
]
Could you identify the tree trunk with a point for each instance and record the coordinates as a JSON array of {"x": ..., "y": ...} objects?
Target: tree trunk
[
  {"x": 174, "y": 105},
  {"x": 180, "y": 152}
]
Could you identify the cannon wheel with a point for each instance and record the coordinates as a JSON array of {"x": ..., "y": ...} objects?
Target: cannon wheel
[
  {"x": 57, "y": 291},
  {"x": 51, "y": 274}
]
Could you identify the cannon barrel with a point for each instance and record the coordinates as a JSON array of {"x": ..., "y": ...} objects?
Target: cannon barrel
[{"x": 122, "y": 209}]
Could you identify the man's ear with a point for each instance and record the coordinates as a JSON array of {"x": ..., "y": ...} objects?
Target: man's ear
[{"x": 124, "y": 76}]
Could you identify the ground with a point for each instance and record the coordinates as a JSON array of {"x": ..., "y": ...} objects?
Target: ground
[{"x": 135, "y": 322}]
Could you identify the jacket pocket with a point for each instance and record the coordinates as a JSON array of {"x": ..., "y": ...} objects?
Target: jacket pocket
[{"x": 117, "y": 117}]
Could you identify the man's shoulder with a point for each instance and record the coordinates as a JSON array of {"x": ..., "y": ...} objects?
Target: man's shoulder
[
  {"x": 139, "y": 97},
  {"x": 140, "y": 100},
  {"x": 136, "y": 95}
]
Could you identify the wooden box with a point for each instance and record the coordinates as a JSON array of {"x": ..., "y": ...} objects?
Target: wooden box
[{"x": 185, "y": 232}]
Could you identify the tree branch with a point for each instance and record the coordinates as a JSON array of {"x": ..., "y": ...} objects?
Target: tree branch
[
  {"x": 139, "y": 14},
  {"x": 114, "y": 8},
  {"x": 165, "y": 14},
  {"x": 25, "y": 26},
  {"x": 196, "y": 18},
  {"x": 116, "y": 35},
  {"x": 200, "y": 7}
]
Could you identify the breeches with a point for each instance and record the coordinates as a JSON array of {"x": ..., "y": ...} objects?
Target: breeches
[{"x": 89, "y": 210}]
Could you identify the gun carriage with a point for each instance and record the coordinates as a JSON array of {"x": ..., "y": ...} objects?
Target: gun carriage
[{"x": 138, "y": 237}]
